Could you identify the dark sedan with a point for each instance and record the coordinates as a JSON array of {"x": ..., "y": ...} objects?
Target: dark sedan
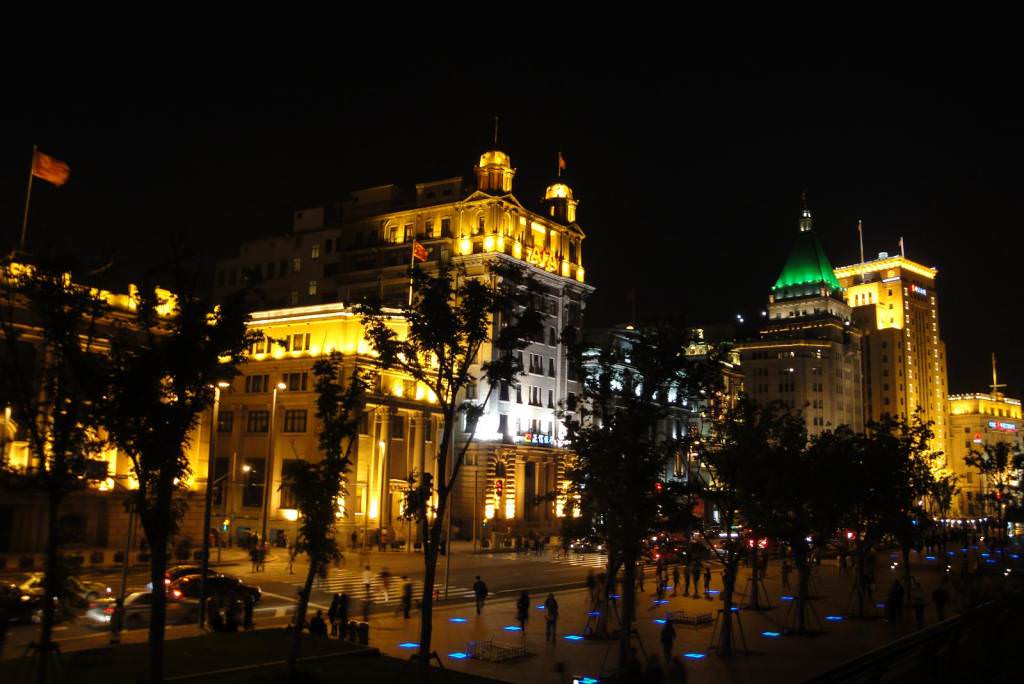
[{"x": 221, "y": 585}]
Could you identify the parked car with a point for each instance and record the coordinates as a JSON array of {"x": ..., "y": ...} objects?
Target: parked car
[
  {"x": 221, "y": 585},
  {"x": 23, "y": 596},
  {"x": 138, "y": 609}
]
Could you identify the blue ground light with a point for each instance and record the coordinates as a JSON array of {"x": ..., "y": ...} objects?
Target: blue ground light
[
  {"x": 990, "y": 561},
  {"x": 540, "y": 607},
  {"x": 512, "y": 628},
  {"x": 408, "y": 644},
  {"x": 951, "y": 553},
  {"x": 661, "y": 602},
  {"x": 573, "y": 637},
  {"x": 1015, "y": 556},
  {"x": 585, "y": 680},
  {"x": 834, "y": 618},
  {"x": 786, "y": 598},
  {"x": 985, "y": 554},
  {"x": 695, "y": 656},
  {"x": 458, "y": 620},
  {"x": 929, "y": 557},
  {"x": 660, "y": 621},
  {"x": 714, "y": 592},
  {"x": 771, "y": 635},
  {"x": 594, "y": 613},
  {"x": 879, "y": 605},
  {"x": 458, "y": 655}
]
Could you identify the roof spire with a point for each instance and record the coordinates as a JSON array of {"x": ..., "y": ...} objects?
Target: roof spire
[
  {"x": 495, "y": 130},
  {"x": 805, "y": 214}
]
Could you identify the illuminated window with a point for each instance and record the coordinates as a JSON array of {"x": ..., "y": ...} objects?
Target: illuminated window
[
  {"x": 429, "y": 228},
  {"x": 256, "y": 383},
  {"x": 225, "y": 421},
  {"x": 314, "y": 252},
  {"x": 446, "y": 227},
  {"x": 296, "y": 264},
  {"x": 294, "y": 297},
  {"x": 312, "y": 287}
]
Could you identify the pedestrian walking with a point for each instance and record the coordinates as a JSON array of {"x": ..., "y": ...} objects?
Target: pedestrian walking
[
  {"x": 550, "y": 618},
  {"x": 640, "y": 576},
  {"x": 292, "y": 553},
  {"x": 668, "y": 639},
  {"x": 385, "y": 582},
  {"x": 941, "y": 597},
  {"x": 687, "y": 572},
  {"x": 894, "y": 603},
  {"x": 591, "y": 585},
  {"x": 247, "y": 607},
  {"x": 675, "y": 580},
  {"x": 918, "y": 601},
  {"x": 332, "y": 614},
  {"x": 786, "y": 570},
  {"x": 523, "y": 611},
  {"x": 317, "y": 626},
  {"x": 341, "y": 615},
  {"x": 406, "y": 597},
  {"x": 480, "y": 592},
  {"x": 367, "y": 581},
  {"x": 254, "y": 558},
  {"x": 707, "y": 579}
]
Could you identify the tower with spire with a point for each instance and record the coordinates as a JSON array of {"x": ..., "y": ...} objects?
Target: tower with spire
[{"x": 807, "y": 356}]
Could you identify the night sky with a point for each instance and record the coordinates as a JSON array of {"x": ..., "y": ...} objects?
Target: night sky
[{"x": 689, "y": 166}]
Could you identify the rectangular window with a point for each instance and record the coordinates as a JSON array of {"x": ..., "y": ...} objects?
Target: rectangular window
[
  {"x": 296, "y": 382},
  {"x": 471, "y": 390},
  {"x": 252, "y": 482},
  {"x": 409, "y": 231},
  {"x": 299, "y": 341},
  {"x": 503, "y": 391},
  {"x": 397, "y": 427},
  {"x": 295, "y": 420},
  {"x": 287, "y": 484},
  {"x": 430, "y": 228},
  {"x": 256, "y": 383},
  {"x": 328, "y": 246},
  {"x": 296, "y": 264},
  {"x": 314, "y": 251},
  {"x": 536, "y": 364},
  {"x": 257, "y": 421},
  {"x": 446, "y": 227},
  {"x": 551, "y": 367},
  {"x": 225, "y": 421},
  {"x": 312, "y": 287},
  {"x": 393, "y": 234},
  {"x": 364, "y": 424},
  {"x": 294, "y": 298},
  {"x": 551, "y": 398},
  {"x": 503, "y": 423},
  {"x": 519, "y": 394}
]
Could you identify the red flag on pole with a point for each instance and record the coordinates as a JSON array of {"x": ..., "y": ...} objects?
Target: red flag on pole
[
  {"x": 49, "y": 169},
  {"x": 561, "y": 162},
  {"x": 419, "y": 252}
]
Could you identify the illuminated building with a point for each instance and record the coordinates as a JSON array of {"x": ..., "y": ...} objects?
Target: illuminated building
[
  {"x": 895, "y": 304},
  {"x": 808, "y": 354},
  {"x": 976, "y": 420},
  {"x": 396, "y": 435},
  {"x": 360, "y": 249},
  {"x": 93, "y": 521}
]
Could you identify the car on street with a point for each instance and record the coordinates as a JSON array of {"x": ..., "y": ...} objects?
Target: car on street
[
  {"x": 221, "y": 585},
  {"x": 22, "y": 595},
  {"x": 587, "y": 546},
  {"x": 17, "y": 605},
  {"x": 176, "y": 572},
  {"x": 86, "y": 591},
  {"x": 138, "y": 609}
]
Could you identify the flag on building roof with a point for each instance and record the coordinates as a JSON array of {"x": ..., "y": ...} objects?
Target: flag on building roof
[
  {"x": 50, "y": 169},
  {"x": 561, "y": 162},
  {"x": 419, "y": 252}
]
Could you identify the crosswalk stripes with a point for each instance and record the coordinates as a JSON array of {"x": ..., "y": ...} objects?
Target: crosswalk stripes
[
  {"x": 352, "y": 583},
  {"x": 583, "y": 560}
]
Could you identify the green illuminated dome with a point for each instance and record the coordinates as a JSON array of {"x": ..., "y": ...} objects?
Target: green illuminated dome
[{"x": 807, "y": 270}]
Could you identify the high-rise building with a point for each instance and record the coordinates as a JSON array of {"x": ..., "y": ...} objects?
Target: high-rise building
[
  {"x": 361, "y": 250},
  {"x": 895, "y": 304},
  {"x": 977, "y": 420},
  {"x": 808, "y": 353}
]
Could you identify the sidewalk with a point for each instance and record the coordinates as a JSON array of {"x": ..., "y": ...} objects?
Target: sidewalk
[{"x": 771, "y": 658}]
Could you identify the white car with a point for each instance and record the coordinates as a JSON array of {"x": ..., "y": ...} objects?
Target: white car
[{"x": 137, "y": 611}]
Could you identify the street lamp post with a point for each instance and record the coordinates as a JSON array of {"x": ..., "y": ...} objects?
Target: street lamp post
[
  {"x": 209, "y": 501},
  {"x": 269, "y": 477}
]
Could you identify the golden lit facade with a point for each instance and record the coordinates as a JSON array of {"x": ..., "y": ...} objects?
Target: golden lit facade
[
  {"x": 396, "y": 435},
  {"x": 361, "y": 250},
  {"x": 974, "y": 421},
  {"x": 895, "y": 303}
]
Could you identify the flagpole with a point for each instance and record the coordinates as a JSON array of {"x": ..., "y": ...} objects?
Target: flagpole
[
  {"x": 860, "y": 234},
  {"x": 28, "y": 197},
  {"x": 412, "y": 266}
]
